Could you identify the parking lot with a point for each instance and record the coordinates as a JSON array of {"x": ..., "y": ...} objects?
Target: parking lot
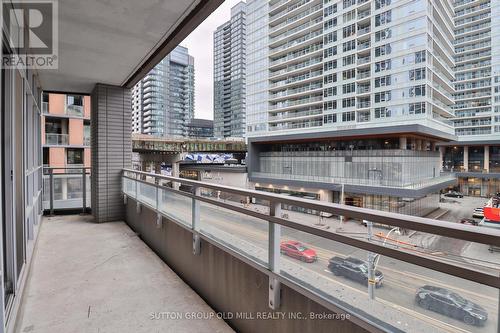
[{"x": 461, "y": 207}]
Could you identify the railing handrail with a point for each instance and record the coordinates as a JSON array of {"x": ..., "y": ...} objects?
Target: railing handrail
[
  {"x": 447, "y": 229},
  {"x": 443, "y": 228},
  {"x": 67, "y": 167}
]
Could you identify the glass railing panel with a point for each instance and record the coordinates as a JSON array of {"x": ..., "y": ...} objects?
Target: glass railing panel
[
  {"x": 147, "y": 194},
  {"x": 175, "y": 206},
  {"x": 129, "y": 187},
  {"x": 240, "y": 232}
]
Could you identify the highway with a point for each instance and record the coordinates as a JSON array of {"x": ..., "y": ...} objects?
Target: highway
[{"x": 394, "y": 301}]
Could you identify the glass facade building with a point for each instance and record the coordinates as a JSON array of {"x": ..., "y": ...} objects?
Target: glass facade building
[
  {"x": 163, "y": 101},
  {"x": 229, "y": 75},
  {"x": 326, "y": 65}
]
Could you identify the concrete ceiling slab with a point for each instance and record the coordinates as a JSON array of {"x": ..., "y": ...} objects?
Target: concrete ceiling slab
[{"x": 106, "y": 41}]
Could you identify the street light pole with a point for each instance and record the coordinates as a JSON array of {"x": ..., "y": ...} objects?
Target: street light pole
[
  {"x": 342, "y": 202},
  {"x": 371, "y": 262},
  {"x": 383, "y": 244}
]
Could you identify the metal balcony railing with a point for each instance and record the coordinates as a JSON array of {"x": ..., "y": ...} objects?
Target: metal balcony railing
[
  {"x": 66, "y": 188},
  {"x": 56, "y": 139},
  {"x": 45, "y": 107},
  {"x": 74, "y": 110},
  {"x": 396, "y": 276}
]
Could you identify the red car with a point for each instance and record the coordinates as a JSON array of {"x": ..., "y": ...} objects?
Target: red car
[{"x": 298, "y": 250}]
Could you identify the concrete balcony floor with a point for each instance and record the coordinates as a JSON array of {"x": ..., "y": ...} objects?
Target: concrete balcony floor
[{"x": 88, "y": 277}]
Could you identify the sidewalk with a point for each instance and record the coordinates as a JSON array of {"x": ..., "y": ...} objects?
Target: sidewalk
[{"x": 89, "y": 277}]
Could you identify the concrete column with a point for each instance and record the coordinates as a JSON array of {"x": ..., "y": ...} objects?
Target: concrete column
[
  {"x": 402, "y": 142},
  {"x": 466, "y": 158},
  {"x": 175, "y": 173},
  {"x": 413, "y": 144},
  {"x": 157, "y": 167},
  {"x": 426, "y": 145},
  {"x": 487, "y": 158},
  {"x": 326, "y": 195},
  {"x": 111, "y": 115},
  {"x": 419, "y": 144},
  {"x": 433, "y": 145},
  {"x": 441, "y": 157}
]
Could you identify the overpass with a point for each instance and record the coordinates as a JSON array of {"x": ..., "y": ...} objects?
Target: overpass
[
  {"x": 147, "y": 144},
  {"x": 150, "y": 152}
]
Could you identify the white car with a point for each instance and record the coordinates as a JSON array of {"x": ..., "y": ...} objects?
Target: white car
[{"x": 478, "y": 212}]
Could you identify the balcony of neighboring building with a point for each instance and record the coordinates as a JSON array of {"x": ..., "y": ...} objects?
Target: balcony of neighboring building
[{"x": 66, "y": 105}]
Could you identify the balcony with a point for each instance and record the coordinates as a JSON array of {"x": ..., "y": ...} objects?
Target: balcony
[
  {"x": 74, "y": 110},
  {"x": 208, "y": 212},
  {"x": 103, "y": 277},
  {"x": 56, "y": 139}
]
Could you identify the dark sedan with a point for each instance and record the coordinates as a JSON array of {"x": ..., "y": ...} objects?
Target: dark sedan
[
  {"x": 451, "y": 304},
  {"x": 454, "y": 194},
  {"x": 353, "y": 269}
]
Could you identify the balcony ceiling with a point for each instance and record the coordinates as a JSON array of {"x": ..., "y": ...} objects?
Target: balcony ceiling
[{"x": 114, "y": 42}]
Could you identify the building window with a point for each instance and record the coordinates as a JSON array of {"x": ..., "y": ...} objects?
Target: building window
[
  {"x": 349, "y": 88},
  {"x": 348, "y": 46},
  {"x": 383, "y": 18},
  {"x": 349, "y": 30},
  {"x": 330, "y": 105},
  {"x": 348, "y": 3},
  {"x": 382, "y": 50},
  {"x": 330, "y": 91},
  {"x": 383, "y": 65},
  {"x": 74, "y": 156},
  {"x": 417, "y": 90},
  {"x": 382, "y": 81},
  {"x": 383, "y": 34},
  {"x": 349, "y": 60},
  {"x": 417, "y": 74},
  {"x": 330, "y": 118},
  {"x": 330, "y": 37},
  {"x": 349, "y": 16},
  {"x": 46, "y": 156},
  {"x": 330, "y": 78},
  {"x": 330, "y": 23},
  {"x": 348, "y": 102},
  {"x": 382, "y": 113},
  {"x": 330, "y": 52},
  {"x": 419, "y": 57},
  {"x": 382, "y": 3},
  {"x": 384, "y": 96},
  {"x": 329, "y": 65},
  {"x": 330, "y": 10},
  {"x": 348, "y": 116},
  {"x": 417, "y": 108},
  {"x": 349, "y": 74}
]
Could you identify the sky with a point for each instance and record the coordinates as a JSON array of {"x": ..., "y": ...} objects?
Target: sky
[{"x": 200, "y": 45}]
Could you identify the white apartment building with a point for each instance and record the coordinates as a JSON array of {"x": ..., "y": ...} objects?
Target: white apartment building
[
  {"x": 229, "y": 75},
  {"x": 163, "y": 101},
  {"x": 477, "y": 70},
  {"x": 348, "y": 64}
]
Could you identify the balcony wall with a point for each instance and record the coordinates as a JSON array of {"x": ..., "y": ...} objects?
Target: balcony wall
[{"x": 227, "y": 282}]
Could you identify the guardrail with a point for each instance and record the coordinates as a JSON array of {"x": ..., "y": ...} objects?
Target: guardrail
[
  {"x": 255, "y": 227},
  {"x": 66, "y": 188},
  {"x": 56, "y": 139}
]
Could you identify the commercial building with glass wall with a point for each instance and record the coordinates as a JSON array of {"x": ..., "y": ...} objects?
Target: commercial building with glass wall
[
  {"x": 66, "y": 148},
  {"x": 229, "y": 75},
  {"x": 476, "y": 164},
  {"x": 163, "y": 101},
  {"x": 372, "y": 168}
]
